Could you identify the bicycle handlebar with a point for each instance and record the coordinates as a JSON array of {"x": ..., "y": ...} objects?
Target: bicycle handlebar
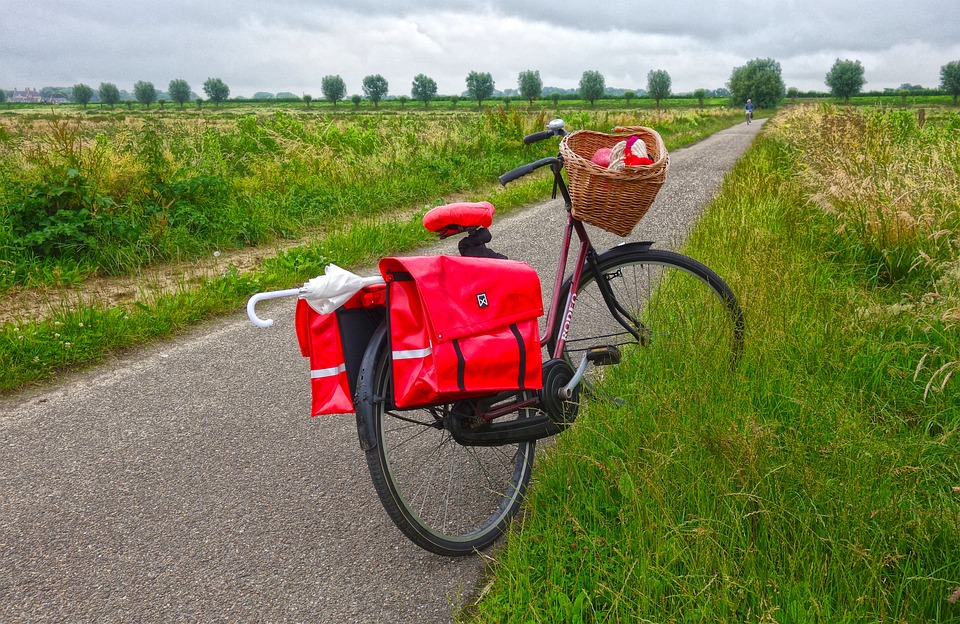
[
  {"x": 538, "y": 136},
  {"x": 523, "y": 170}
]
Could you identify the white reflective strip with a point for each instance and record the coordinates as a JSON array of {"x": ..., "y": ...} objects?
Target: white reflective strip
[
  {"x": 412, "y": 354},
  {"x": 328, "y": 372}
]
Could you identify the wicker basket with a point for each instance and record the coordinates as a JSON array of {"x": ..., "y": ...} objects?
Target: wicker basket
[{"x": 612, "y": 200}]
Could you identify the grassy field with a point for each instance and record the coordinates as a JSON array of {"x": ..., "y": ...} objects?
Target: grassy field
[
  {"x": 820, "y": 482},
  {"x": 115, "y": 194}
]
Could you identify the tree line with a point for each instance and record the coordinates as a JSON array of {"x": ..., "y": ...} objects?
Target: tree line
[
  {"x": 145, "y": 93},
  {"x": 759, "y": 80}
]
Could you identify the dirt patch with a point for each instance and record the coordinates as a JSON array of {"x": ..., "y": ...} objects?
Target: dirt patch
[{"x": 25, "y": 305}]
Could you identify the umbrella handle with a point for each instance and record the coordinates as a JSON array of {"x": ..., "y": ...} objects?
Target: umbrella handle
[{"x": 276, "y": 294}]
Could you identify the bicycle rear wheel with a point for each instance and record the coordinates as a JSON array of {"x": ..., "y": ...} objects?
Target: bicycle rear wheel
[
  {"x": 447, "y": 498},
  {"x": 673, "y": 312}
]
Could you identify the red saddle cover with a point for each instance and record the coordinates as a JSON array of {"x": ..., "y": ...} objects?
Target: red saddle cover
[
  {"x": 461, "y": 327},
  {"x": 445, "y": 219}
]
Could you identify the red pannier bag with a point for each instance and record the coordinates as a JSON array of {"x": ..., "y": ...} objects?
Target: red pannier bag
[
  {"x": 461, "y": 327},
  {"x": 335, "y": 344}
]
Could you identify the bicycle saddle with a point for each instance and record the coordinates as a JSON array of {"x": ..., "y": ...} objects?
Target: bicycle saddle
[{"x": 458, "y": 217}]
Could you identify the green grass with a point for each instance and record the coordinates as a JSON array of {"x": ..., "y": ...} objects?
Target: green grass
[
  {"x": 107, "y": 196},
  {"x": 817, "y": 483},
  {"x": 370, "y": 208}
]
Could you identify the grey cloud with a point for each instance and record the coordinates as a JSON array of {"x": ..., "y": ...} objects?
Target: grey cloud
[{"x": 286, "y": 44}]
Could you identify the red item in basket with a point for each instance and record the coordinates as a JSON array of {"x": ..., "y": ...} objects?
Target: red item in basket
[
  {"x": 635, "y": 153},
  {"x": 601, "y": 157}
]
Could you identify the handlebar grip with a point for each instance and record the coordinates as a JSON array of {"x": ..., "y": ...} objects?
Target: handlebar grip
[
  {"x": 523, "y": 170},
  {"x": 537, "y": 136}
]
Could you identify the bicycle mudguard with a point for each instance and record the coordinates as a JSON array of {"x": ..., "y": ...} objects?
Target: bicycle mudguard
[{"x": 335, "y": 344}]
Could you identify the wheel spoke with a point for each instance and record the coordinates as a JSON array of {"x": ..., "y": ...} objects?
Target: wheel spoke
[
  {"x": 448, "y": 498},
  {"x": 680, "y": 308}
]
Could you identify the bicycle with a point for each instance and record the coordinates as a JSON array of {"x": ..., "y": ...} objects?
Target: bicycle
[{"x": 451, "y": 476}]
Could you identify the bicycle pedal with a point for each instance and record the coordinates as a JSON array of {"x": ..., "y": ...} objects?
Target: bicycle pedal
[{"x": 603, "y": 356}]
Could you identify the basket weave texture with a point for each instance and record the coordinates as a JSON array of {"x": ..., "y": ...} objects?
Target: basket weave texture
[{"x": 613, "y": 200}]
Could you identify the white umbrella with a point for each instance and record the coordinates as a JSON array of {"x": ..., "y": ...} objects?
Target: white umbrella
[
  {"x": 324, "y": 293},
  {"x": 328, "y": 292}
]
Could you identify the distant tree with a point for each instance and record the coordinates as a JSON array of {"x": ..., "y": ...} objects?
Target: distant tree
[
  {"x": 161, "y": 102},
  {"x": 629, "y": 95},
  {"x": 375, "y": 87},
  {"x": 216, "y": 90},
  {"x": 479, "y": 86},
  {"x": 658, "y": 85},
  {"x": 356, "y": 99},
  {"x": 592, "y": 86},
  {"x": 555, "y": 98},
  {"x": 307, "y": 98},
  {"x": 453, "y": 101},
  {"x": 334, "y": 89},
  {"x": 700, "y": 94},
  {"x": 792, "y": 93},
  {"x": 423, "y": 89},
  {"x": 759, "y": 80},
  {"x": 109, "y": 93},
  {"x": 950, "y": 79},
  {"x": 3, "y": 96},
  {"x": 531, "y": 86},
  {"x": 179, "y": 91},
  {"x": 145, "y": 93},
  {"x": 403, "y": 101},
  {"x": 845, "y": 78},
  {"x": 82, "y": 93}
]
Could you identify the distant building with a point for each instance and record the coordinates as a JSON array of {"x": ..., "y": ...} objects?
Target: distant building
[
  {"x": 32, "y": 96},
  {"x": 27, "y": 95}
]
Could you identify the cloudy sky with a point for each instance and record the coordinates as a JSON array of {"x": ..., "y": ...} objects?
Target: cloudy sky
[{"x": 289, "y": 45}]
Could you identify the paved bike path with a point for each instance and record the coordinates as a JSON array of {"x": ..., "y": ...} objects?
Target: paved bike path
[{"x": 187, "y": 483}]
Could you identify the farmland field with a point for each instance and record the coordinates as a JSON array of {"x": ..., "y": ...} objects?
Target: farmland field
[
  {"x": 108, "y": 194},
  {"x": 101, "y": 194}
]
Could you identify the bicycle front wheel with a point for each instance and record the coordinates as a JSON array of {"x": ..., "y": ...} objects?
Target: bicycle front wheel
[
  {"x": 662, "y": 310},
  {"x": 447, "y": 498}
]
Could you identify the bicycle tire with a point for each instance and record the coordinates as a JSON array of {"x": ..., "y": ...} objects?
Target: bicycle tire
[
  {"x": 447, "y": 498},
  {"x": 682, "y": 308}
]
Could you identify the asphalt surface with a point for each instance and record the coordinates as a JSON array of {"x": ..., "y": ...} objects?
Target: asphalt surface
[{"x": 187, "y": 482}]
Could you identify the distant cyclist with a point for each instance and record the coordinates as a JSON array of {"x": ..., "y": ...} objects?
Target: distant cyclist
[{"x": 749, "y": 110}]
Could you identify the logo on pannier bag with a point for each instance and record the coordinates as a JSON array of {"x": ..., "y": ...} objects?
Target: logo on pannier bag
[{"x": 482, "y": 300}]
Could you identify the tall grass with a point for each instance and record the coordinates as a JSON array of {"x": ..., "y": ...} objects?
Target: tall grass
[
  {"x": 111, "y": 199},
  {"x": 348, "y": 188},
  {"x": 891, "y": 185},
  {"x": 110, "y": 194},
  {"x": 820, "y": 482}
]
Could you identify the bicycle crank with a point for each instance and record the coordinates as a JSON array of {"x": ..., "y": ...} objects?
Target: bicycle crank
[{"x": 558, "y": 403}]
